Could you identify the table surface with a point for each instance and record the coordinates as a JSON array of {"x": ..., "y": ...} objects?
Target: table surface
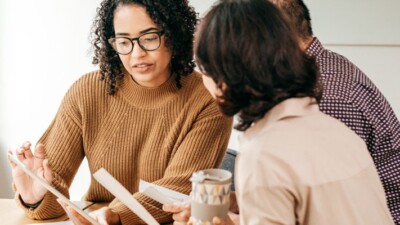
[{"x": 11, "y": 214}]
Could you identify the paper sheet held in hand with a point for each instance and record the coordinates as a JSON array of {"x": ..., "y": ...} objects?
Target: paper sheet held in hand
[
  {"x": 161, "y": 194},
  {"x": 52, "y": 189},
  {"x": 120, "y": 192}
]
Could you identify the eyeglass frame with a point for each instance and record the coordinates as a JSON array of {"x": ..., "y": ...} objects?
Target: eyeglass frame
[{"x": 159, "y": 33}]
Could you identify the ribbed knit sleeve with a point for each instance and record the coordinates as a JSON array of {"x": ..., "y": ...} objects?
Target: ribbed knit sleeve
[
  {"x": 64, "y": 150},
  {"x": 202, "y": 147}
]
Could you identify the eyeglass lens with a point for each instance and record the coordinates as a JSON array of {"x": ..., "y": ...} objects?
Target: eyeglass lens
[{"x": 148, "y": 42}]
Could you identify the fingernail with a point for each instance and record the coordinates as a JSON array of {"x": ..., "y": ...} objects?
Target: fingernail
[
  {"x": 216, "y": 220},
  {"x": 21, "y": 150}
]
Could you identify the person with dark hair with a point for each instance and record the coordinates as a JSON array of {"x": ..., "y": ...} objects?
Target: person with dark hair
[
  {"x": 296, "y": 165},
  {"x": 144, "y": 115},
  {"x": 350, "y": 96}
]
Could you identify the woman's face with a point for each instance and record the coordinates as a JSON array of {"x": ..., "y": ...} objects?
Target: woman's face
[{"x": 148, "y": 68}]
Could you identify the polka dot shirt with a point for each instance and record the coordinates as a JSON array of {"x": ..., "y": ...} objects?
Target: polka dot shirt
[{"x": 350, "y": 96}]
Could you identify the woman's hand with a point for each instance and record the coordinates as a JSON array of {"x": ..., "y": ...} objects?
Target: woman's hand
[
  {"x": 231, "y": 219},
  {"x": 31, "y": 191},
  {"x": 105, "y": 216},
  {"x": 181, "y": 215},
  {"x": 180, "y": 212}
]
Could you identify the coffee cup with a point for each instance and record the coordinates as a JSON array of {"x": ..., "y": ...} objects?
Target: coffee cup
[{"x": 210, "y": 195}]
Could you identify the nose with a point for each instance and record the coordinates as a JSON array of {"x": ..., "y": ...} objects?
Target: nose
[{"x": 137, "y": 51}]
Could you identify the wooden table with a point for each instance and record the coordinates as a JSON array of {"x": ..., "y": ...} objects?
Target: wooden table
[{"x": 11, "y": 214}]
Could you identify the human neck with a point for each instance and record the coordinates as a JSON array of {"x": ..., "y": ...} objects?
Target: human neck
[{"x": 304, "y": 43}]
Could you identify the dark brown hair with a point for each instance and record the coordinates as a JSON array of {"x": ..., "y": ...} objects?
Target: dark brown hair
[
  {"x": 298, "y": 14},
  {"x": 176, "y": 18},
  {"x": 250, "y": 50}
]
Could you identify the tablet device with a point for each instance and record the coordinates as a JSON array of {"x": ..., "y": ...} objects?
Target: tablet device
[
  {"x": 52, "y": 189},
  {"x": 120, "y": 192}
]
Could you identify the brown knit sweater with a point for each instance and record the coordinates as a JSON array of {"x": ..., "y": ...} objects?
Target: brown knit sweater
[{"x": 161, "y": 135}]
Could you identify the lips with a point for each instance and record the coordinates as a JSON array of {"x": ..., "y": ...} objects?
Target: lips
[{"x": 141, "y": 67}]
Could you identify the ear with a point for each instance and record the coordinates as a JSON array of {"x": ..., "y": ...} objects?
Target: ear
[
  {"x": 220, "y": 90},
  {"x": 222, "y": 87}
]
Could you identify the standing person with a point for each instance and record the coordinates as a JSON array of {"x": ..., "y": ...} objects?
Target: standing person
[
  {"x": 296, "y": 165},
  {"x": 350, "y": 96},
  {"x": 144, "y": 115}
]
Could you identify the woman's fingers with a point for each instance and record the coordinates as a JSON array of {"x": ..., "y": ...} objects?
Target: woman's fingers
[
  {"x": 216, "y": 220},
  {"x": 27, "y": 150},
  {"x": 180, "y": 212},
  {"x": 75, "y": 217},
  {"x": 12, "y": 164},
  {"x": 39, "y": 156},
  {"x": 223, "y": 221},
  {"x": 20, "y": 153},
  {"x": 175, "y": 207},
  {"x": 179, "y": 223},
  {"x": 30, "y": 191},
  {"x": 47, "y": 174},
  {"x": 182, "y": 216},
  {"x": 105, "y": 216}
]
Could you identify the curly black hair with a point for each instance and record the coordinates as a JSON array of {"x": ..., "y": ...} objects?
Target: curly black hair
[
  {"x": 176, "y": 18},
  {"x": 251, "y": 51}
]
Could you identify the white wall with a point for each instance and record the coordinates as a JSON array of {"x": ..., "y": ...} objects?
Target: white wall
[
  {"x": 356, "y": 21},
  {"x": 44, "y": 47},
  {"x": 382, "y": 66}
]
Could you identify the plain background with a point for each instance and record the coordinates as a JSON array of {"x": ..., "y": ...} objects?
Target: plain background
[{"x": 44, "y": 48}]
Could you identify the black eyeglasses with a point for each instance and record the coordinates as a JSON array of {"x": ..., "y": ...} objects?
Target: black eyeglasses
[{"x": 148, "y": 42}]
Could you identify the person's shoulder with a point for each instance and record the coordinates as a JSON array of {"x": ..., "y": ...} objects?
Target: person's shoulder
[
  {"x": 89, "y": 82},
  {"x": 339, "y": 74},
  {"x": 194, "y": 77},
  {"x": 89, "y": 79},
  {"x": 194, "y": 88},
  {"x": 327, "y": 59},
  {"x": 195, "y": 96},
  {"x": 338, "y": 69},
  {"x": 337, "y": 62},
  {"x": 195, "y": 83},
  {"x": 88, "y": 86}
]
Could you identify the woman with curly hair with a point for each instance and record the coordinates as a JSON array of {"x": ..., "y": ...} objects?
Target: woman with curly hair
[
  {"x": 144, "y": 115},
  {"x": 296, "y": 165}
]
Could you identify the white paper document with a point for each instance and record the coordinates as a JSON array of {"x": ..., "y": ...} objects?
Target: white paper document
[
  {"x": 120, "y": 192},
  {"x": 52, "y": 189},
  {"x": 161, "y": 194}
]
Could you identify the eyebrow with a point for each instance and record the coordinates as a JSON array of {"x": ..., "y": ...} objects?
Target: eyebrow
[{"x": 141, "y": 32}]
